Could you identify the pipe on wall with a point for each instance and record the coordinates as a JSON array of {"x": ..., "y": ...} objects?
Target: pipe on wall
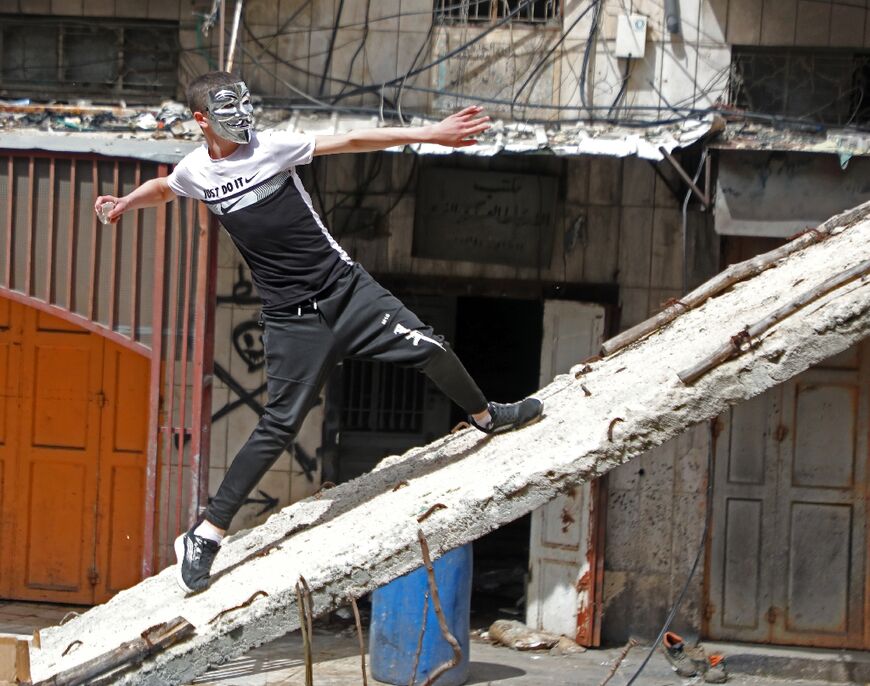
[{"x": 672, "y": 16}]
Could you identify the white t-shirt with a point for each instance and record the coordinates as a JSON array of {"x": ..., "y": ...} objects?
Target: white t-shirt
[{"x": 267, "y": 212}]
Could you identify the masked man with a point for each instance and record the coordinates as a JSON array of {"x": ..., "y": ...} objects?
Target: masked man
[{"x": 319, "y": 306}]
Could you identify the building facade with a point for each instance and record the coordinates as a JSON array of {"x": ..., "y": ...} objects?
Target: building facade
[{"x": 585, "y": 243}]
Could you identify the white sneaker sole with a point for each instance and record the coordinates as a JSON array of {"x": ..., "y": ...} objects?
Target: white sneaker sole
[{"x": 179, "y": 556}]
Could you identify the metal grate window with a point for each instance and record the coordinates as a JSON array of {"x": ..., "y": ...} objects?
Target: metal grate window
[
  {"x": 381, "y": 397},
  {"x": 486, "y": 11},
  {"x": 75, "y": 57},
  {"x": 825, "y": 86}
]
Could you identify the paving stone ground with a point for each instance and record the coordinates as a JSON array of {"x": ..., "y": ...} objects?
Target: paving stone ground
[
  {"x": 337, "y": 660},
  {"x": 337, "y": 663}
]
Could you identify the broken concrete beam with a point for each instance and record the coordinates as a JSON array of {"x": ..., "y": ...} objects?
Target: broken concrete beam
[{"x": 362, "y": 534}]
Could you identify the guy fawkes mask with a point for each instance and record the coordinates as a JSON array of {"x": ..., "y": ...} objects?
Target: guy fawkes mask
[{"x": 230, "y": 112}]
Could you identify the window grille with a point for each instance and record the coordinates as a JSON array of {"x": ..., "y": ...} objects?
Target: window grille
[
  {"x": 380, "y": 397},
  {"x": 487, "y": 11},
  {"x": 78, "y": 57},
  {"x": 824, "y": 86}
]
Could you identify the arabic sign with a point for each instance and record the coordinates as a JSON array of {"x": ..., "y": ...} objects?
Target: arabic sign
[{"x": 488, "y": 217}]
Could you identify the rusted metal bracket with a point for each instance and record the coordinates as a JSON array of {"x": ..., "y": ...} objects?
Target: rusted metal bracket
[
  {"x": 733, "y": 274},
  {"x": 703, "y": 197},
  {"x": 747, "y": 338}
]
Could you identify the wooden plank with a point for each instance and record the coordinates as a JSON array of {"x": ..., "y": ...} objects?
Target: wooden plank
[
  {"x": 14, "y": 661},
  {"x": 8, "y": 659}
]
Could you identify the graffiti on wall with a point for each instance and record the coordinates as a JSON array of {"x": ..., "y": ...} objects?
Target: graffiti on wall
[
  {"x": 243, "y": 291},
  {"x": 247, "y": 342}
]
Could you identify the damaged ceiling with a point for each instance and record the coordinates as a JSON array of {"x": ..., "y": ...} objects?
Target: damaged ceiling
[{"x": 169, "y": 133}]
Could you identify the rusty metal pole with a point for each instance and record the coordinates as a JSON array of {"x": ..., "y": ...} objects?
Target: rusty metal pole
[
  {"x": 152, "y": 465},
  {"x": 221, "y": 29},
  {"x": 203, "y": 359}
]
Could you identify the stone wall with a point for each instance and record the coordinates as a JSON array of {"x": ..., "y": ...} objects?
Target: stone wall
[{"x": 284, "y": 48}]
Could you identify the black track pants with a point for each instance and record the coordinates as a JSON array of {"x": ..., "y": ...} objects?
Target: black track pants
[{"x": 356, "y": 317}]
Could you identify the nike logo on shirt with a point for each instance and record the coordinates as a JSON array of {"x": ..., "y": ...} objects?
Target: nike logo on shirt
[{"x": 227, "y": 206}]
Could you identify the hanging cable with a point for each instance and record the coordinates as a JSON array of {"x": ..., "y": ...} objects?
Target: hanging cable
[
  {"x": 622, "y": 89},
  {"x": 552, "y": 49},
  {"x": 328, "y": 64},
  {"x": 587, "y": 50},
  {"x": 361, "y": 45},
  {"x": 426, "y": 41}
]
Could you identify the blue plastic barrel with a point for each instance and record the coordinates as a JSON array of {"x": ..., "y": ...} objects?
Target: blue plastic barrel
[{"x": 397, "y": 614}]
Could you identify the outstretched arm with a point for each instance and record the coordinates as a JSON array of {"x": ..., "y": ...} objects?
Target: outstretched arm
[
  {"x": 456, "y": 131},
  {"x": 151, "y": 193}
]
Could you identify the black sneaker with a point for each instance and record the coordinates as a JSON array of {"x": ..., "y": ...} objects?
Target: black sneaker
[
  {"x": 509, "y": 416},
  {"x": 195, "y": 556}
]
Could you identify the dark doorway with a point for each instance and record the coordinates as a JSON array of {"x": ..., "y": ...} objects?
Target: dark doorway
[
  {"x": 374, "y": 410},
  {"x": 499, "y": 341}
]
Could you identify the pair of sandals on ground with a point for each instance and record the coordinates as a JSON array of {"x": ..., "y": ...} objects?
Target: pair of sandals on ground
[{"x": 689, "y": 661}]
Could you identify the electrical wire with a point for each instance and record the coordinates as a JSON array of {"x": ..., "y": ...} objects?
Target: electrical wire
[
  {"x": 329, "y": 106},
  {"x": 361, "y": 45},
  {"x": 622, "y": 89},
  {"x": 426, "y": 41},
  {"x": 385, "y": 17},
  {"x": 282, "y": 29},
  {"x": 590, "y": 41},
  {"x": 328, "y": 63},
  {"x": 552, "y": 49},
  {"x": 686, "y": 222},
  {"x": 350, "y": 87},
  {"x": 455, "y": 51},
  {"x": 320, "y": 103},
  {"x": 679, "y": 111}
]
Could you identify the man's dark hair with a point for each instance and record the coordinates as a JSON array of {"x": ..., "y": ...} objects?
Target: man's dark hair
[{"x": 197, "y": 90}]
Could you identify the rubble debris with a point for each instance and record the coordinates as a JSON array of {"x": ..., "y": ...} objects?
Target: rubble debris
[
  {"x": 174, "y": 119},
  {"x": 565, "y": 646},
  {"x": 83, "y": 117},
  {"x": 514, "y": 634}
]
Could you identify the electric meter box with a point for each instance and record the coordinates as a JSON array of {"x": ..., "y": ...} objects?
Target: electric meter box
[{"x": 631, "y": 36}]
